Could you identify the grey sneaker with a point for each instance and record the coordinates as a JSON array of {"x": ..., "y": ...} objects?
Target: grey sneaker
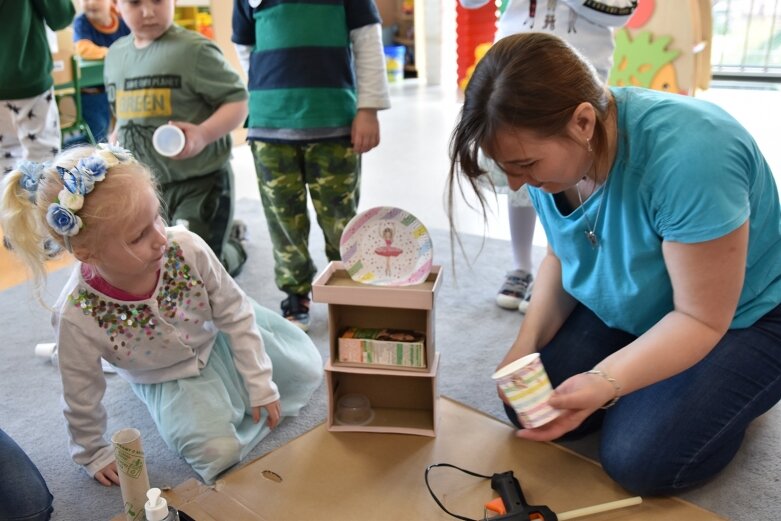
[{"x": 516, "y": 286}]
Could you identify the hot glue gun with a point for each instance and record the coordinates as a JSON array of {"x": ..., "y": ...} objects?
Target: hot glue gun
[{"x": 511, "y": 505}]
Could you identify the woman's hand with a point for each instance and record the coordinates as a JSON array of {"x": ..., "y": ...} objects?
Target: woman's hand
[
  {"x": 273, "y": 414},
  {"x": 108, "y": 475},
  {"x": 577, "y": 399}
]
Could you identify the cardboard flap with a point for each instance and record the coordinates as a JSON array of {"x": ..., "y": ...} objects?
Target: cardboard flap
[{"x": 360, "y": 476}]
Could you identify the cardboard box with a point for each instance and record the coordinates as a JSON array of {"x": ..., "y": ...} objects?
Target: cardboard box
[
  {"x": 382, "y": 347},
  {"x": 403, "y": 402},
  {"x": 353, "y": 304},
  {"x": 367, "y": 476}
]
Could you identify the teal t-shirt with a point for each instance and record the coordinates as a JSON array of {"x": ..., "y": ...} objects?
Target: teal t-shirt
[{"x": 685, "y": 171}]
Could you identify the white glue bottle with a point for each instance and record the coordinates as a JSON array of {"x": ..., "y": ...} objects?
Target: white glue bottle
[{"x": 157, "y": 508}]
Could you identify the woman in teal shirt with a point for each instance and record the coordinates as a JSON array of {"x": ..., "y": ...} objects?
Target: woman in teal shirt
[{"x": 662, "y": 281}]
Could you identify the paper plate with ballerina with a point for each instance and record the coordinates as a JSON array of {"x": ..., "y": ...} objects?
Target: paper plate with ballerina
[{"x": 386, "y": 246}]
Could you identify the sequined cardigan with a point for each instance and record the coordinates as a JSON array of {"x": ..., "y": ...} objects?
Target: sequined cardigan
[{"x": 165, "y": 337}]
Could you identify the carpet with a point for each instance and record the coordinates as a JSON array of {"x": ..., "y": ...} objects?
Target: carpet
[{"x": 472, "y": 336}]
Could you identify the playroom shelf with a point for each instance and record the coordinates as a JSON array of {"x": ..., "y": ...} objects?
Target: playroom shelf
[{"x": 403, "y": 398}]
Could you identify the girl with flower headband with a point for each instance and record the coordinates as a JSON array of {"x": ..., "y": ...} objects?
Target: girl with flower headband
[{"x": 156, "y": 303}]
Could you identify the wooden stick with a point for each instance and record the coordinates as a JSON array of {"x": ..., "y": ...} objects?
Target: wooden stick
[{"x": 603, "y": 507}]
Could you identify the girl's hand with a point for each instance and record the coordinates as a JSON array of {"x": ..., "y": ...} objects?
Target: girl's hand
[
  {"x": 108, "y": 475},
  {"x": 578, "y": 397},
  {"x": 195, "y": 139},
  {"x": 273, "y": 414}
]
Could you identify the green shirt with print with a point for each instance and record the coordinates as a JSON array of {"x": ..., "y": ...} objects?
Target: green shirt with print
[{"x": 181, "y": 76}]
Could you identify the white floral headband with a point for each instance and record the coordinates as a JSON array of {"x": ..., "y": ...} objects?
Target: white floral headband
[{"x": 77, "y": 183}]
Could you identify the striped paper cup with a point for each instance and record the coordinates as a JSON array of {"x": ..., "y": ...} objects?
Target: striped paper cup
[{"x": 525, "y": 384}]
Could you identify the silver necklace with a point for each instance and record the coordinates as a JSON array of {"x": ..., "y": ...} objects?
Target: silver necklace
[{"x": 591, "y": 234}]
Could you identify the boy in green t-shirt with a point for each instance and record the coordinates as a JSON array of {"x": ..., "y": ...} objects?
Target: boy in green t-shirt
[
  {"x": 163, "y": 73},
  {"x": 317, "y": 80}
]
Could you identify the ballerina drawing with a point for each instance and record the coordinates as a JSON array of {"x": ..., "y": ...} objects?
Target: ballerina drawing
[{"x": 388, "y": 251}]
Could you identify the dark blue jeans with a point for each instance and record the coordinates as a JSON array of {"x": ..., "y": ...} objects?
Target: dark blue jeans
[
  {"x": 680, "y": 432},
  {"x": 24, "y": 495}
]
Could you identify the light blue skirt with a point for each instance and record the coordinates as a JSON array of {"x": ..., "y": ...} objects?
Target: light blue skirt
[{"x": 207, "y": 419}]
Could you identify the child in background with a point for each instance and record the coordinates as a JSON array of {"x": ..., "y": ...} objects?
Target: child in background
[
  {"x": 94, "y": 31},
  {"x": 306, "y": 128},
  {"x": 156, "y": 303},
  {"x": 164, "y": 73},
  {"x": 29, "y": 118},
  {"x": 588, "y": 26}
]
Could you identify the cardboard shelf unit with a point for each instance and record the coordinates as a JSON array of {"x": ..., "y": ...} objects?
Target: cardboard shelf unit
[{"x": 403, "y": 398}]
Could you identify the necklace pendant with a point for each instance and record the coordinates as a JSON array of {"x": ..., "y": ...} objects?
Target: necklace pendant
[{"x": 592, "y": 238}]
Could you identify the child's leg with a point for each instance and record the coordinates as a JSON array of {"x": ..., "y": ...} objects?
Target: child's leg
[
  {"x": 96, "y": 112},
  {"x": 333, "y": 173},
  {"x": 522, "y": 222},
  {"x": 38, "y": 127},
  {"x": 30, "y": 129},
  {"x": 10, "y": 147},
  {"x": 207, "y": 419},
  {"x": 198, "y": 202},
  {"x": 279, "y": 168},
  {"x": 233, "y": 254}
]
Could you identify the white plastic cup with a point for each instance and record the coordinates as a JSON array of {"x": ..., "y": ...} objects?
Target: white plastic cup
[
  {"x": 45, "y": 350},
  {"x": 526, "y": 385},
  {"x": 168, "y": 140}
]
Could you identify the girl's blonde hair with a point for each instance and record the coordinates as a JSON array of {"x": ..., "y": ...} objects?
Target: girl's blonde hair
[{"x": 109, "y": 208}]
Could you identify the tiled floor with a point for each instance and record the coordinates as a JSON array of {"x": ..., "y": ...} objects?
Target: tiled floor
[{"x": 409, "y": 169}]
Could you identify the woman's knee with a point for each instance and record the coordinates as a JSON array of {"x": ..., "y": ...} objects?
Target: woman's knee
[{"x": 655, "y": 466}]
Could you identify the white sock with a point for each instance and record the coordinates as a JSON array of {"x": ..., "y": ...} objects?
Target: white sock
[{"x": 522, "y": 222}]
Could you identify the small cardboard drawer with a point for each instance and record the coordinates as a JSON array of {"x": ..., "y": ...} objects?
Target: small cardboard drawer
[{"x": 401, "y": 402}]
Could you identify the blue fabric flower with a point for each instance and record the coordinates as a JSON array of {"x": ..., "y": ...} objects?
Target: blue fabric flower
[
  {"x": 78, "y": 181},
  {"x": 95, "y": 166},
  {"x": 120, "y": 153},
  {"x": 62, "y": 220},
  {"x": 31, "y": 175}
]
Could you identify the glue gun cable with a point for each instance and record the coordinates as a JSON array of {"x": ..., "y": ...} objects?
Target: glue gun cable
[{"x": 425, "y": 477}]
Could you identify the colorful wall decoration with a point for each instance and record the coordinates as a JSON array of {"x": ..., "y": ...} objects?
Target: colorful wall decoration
[{"x": 665, "y": 46}]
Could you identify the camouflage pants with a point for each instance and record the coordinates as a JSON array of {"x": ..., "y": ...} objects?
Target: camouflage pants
[
  {"x": 331, "y": 171},
  {"x": 206, "y": 205}
]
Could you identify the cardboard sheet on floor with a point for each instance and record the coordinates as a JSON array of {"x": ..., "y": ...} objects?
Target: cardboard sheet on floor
[{"x": 371, "y": 476}]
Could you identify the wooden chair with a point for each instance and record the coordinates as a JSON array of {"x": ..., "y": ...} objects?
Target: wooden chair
[{"x": 67, "y": 89}]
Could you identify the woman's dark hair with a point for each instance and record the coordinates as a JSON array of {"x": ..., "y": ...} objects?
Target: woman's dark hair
[{"x": 530, "y": 81}]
